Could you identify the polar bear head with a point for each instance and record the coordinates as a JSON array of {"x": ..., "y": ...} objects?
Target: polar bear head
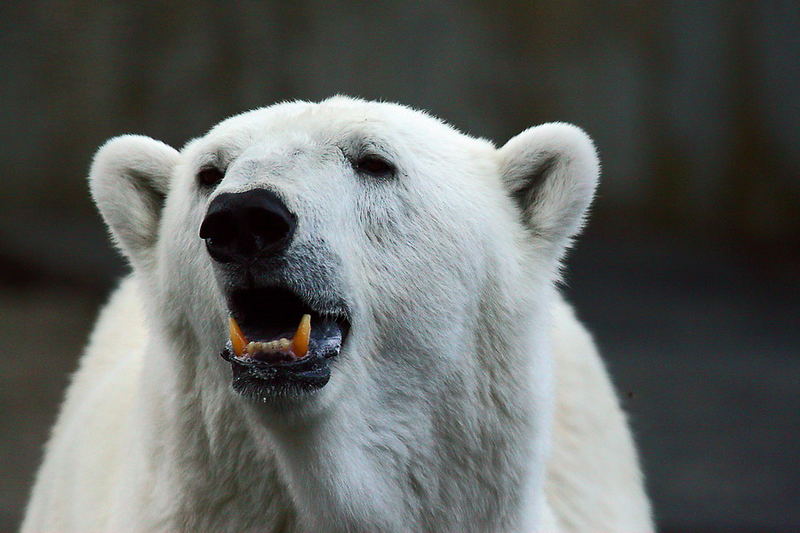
[{"x": 348, "y": 251}]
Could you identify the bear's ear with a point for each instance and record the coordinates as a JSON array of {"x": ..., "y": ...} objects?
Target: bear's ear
[
  {"x": 551, "y": 171},
  {"x": 129, "y": 180}
]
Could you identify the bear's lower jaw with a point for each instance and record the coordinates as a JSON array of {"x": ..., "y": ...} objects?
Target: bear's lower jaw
[
  {"x": 261, "y": 376},
  {"x": 262, "y": 380},
  {"x": 259, "y": 380}
]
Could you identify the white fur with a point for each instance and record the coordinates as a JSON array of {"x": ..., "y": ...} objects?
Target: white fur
[{"x": 467, "y": 397}]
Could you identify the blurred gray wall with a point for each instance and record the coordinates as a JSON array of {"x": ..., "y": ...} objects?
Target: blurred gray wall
[{"x": 693, "y": 105}]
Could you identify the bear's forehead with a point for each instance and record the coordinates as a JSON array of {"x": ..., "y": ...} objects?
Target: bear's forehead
[{"x": 336, "y": 120}]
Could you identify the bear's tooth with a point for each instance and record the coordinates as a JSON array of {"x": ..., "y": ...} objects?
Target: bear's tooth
[
  {"x": 250, "y": 348},
  {"x": 238, "y": 340},
  {"x": 284, "y": 344},
  {"x": 301, "y": 337}
]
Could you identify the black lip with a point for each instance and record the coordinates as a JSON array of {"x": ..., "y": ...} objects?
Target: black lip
[{"x": 253, "y": 377}]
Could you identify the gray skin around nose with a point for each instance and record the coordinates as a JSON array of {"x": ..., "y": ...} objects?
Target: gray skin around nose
[{"x": 243, "y": 227}]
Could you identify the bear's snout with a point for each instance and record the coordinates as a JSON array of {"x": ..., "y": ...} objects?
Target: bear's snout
[{"x": 241, "y": 227}]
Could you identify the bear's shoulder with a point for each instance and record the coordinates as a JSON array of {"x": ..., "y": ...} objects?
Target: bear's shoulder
[
  {"x": 592, "y": 463},
  {"x": 85, "y": 448}
]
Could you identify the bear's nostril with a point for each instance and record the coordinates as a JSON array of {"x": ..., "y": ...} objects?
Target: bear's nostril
[
  {"x": 267, "y": 226},
  {"x": 218, "y": 227}
]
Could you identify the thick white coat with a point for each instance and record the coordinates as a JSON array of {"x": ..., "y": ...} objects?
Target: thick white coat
[{"x": 467, "y": 398}]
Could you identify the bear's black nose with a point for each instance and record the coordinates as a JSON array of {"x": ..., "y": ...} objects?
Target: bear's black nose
[{"x": 239, "y": 227}]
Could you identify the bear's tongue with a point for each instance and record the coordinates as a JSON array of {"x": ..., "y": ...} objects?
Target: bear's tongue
[{"x": 296, "y": 348}]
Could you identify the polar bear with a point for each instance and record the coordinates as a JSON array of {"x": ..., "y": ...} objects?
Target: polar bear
[{"x": 342, "y": 316}]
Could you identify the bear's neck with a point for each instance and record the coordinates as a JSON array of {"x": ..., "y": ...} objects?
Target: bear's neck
[{"x": 471, "y": 460}]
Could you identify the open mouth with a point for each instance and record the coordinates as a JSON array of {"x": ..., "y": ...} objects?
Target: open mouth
[{"x": 277, "y": 341}]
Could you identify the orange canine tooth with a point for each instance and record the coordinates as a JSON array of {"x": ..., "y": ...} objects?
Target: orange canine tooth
[
  {"x": 238, "y": 340},
  {"x": 301, "y": 337}
]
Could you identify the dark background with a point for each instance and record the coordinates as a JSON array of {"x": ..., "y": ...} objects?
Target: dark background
[{"x": 687, "y": 274}]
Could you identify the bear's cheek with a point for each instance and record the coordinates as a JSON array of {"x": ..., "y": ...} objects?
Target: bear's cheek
[{"x": 182, "y": 258}]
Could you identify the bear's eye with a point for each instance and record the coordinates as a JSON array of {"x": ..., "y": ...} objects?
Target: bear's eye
[
  {"x": 209, "y": 177},
  {"x": 376, "y": 166}
]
